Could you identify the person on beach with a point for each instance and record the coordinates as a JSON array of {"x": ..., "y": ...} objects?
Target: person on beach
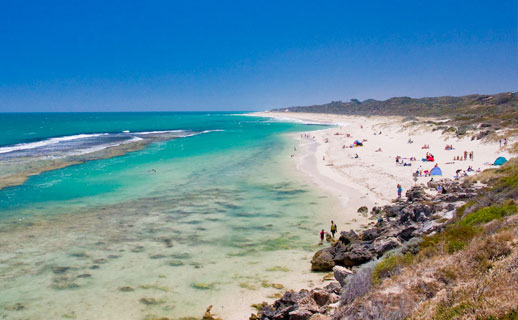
[
  {"x": 322, "y": 235},
  {"x": 333, "y": 228},
  {"x": 399, "y": 190}
]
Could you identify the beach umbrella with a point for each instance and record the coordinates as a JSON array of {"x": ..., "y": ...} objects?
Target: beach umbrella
[{"x": 500, "y": 161}]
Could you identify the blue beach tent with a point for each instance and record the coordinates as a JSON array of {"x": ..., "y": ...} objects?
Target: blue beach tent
[
  {"x": 436, "y": 171},
  {"x": 500, "y": 161}
]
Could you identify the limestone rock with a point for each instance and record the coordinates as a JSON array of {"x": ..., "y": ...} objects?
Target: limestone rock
[
  {"x": 321, "y": 297},
  {"x": 356, "y": 255},
  {"x": 300, "y": 314},
  {"x": 341, "y": 273},
  {"x": 348, "y": 237},
  {"x": 322, "y": 260},
  {"x": 370, "y": 234},
  {"x": 319, "y": 317},
  {"x": 383, "y": 245}
]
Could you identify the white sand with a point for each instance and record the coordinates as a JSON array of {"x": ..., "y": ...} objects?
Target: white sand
[{"x": 371, "y": 179}]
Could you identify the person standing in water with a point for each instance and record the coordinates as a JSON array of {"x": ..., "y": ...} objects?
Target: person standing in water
[
  {"x": 333, "y": 228},
  {"x": 322, "y": 235}
]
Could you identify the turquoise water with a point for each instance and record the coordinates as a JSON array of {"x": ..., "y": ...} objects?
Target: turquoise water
[{"x": 207, "y": 216}]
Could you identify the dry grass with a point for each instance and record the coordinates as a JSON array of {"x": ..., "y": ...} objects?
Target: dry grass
[
  {"x": 467, "y": 271},
  {"x": 478, "y": 282},
  {"x": 357, "y": 285}
]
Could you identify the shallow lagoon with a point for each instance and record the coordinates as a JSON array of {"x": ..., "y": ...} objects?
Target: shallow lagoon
[{"x": 165, "y": 231}]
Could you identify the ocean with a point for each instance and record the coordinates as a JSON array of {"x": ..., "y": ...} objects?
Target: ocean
[{"x": 148, "y": 215}]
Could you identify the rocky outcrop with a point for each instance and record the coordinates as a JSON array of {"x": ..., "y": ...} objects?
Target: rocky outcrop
[
  {"x": 302, "y": 305},
  {"x": 323, "y": 260},
  {"x": 354, "y": 255},
  {"x": 403, "y": 226},
  {"x": 340, "y": 273},
  {"x": 402, "y": 222}
]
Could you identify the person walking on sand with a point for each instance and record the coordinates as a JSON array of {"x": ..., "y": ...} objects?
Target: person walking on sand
[
  {"x": 333, "y": 228},
  {"x": 399, "y": 190},
  {"x": 465, "y": 155},
  {"x": 322, "y": 235}
]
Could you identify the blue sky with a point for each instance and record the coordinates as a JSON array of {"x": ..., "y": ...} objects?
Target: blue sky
[{"x": 249, "y": 55}]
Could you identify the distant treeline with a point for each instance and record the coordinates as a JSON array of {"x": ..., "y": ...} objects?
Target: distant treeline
[{"x": 477, "y": 108}]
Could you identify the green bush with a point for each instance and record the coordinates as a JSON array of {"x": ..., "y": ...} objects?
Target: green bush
[
  {"x": 444, "y": 312},
  {"x": 488, "y": 214},
  {"x": 454, "y": 238},
  {"x": 390, "y": 266},
  {"x": 511, "y": 315}
]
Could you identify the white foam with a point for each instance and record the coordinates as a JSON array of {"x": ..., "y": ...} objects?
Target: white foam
[
  {"x": 37, "y": 144},
  {"x": 157, "y": 132},
  {"x": 51, "y": 141}
]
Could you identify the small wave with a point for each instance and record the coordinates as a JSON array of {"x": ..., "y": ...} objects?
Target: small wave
[
  {"x": 157, "y": 132},
  {"x": 126, "y": 134},
  {"x": 43, "y": 143}
]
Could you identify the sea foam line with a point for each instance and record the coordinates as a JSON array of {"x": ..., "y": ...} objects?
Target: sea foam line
[
  {"x": 55, "y": 140},
  {"x": 37, "y": 144}
]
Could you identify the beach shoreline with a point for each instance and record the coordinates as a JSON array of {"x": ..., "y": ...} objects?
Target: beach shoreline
[
  {"x": 374, "y": 174},
  {"x": 367, "y": 175}
]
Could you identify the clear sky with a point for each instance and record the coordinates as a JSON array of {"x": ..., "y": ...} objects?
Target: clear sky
[{"x": 249, "y": 55}]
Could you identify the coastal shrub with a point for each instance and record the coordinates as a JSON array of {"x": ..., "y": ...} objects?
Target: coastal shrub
[
  {"x": 511, "y": 181},
  {"x": 357, "y": 285},
  {"x": 379, "y": 309},
  {"x": 445, "y": 312},
  {"x": 454, "y": 238},
  {"x": 390, "y": 266},
  {"x": 488, "y": 214},
  {"x": 462, "y": 130},
  {"x": 461, "y": 210},
  {"x": 511, "y": 315}
]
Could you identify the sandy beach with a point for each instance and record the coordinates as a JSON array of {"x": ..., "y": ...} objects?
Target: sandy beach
[{"x": 370, "y": 179}]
